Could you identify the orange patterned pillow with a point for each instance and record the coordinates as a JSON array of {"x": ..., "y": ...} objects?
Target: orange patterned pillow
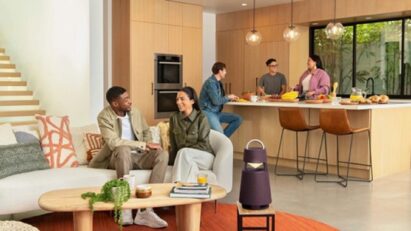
[
  {"x": 56, "y": 141},
  {"x": 94, "y": 144}
]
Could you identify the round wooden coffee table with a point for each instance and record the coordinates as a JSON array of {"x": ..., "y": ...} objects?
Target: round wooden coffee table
[{"x": 188, "y": 210}]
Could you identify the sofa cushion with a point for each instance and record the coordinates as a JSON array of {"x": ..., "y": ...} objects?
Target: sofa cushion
[
  {"x": 165, "y": 138},
  {"x": 26, "y": 138},
  {"x": 32, "y": 129},
  {"x": 18, "y": 158},
  {"x": 78, "y": 140},
  {"x": 94, "y": 144},
  {"x": 56, "y": 141},
  {"x": 6, "y": 135}
]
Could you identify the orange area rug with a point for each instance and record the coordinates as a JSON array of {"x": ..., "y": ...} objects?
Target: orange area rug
[{"x": 224, "y": 219}]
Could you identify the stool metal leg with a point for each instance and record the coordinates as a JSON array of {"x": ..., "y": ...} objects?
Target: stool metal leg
[
  {"x": 305, "y": 154},
  {"x": 318, "y": 157},
  {"x": 326, "y": 154},
  {"x": 306, "y": 157},
  {"x": 344, "y": 181},
  {"x": 349, "y": 163},
  {"x": 323, "y": 138},
  {"x": 276, "y": 172},
  {"x": 278, "y": 152}
]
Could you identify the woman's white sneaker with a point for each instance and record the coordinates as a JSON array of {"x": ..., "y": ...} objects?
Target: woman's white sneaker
[{"x": 149, "y": 218}]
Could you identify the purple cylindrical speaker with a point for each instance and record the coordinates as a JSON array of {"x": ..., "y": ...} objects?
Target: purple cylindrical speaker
[{"x": 255, "y": 192}]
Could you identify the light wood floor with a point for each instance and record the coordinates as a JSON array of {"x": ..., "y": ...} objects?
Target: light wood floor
[{"x": 384, "y": 204}]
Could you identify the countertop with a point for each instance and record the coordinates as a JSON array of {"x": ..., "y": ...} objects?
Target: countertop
[{"x": 390, "y": 104}]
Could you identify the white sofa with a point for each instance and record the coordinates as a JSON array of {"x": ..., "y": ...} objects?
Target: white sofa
[{"x": 20, "y": 193}]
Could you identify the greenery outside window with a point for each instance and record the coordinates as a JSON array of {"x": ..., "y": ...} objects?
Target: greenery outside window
[{"x": 379, "y": 52}]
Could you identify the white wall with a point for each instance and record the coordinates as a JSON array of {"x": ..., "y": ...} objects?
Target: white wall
[
  {"x": 96, "y": 57},
  {"x": 209, "y": 43},
  {"x": 49, "y": 40}
]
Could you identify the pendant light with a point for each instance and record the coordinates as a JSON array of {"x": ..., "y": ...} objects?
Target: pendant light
[
  {"x": 334, "y": 30},
  {"x": 291, "y": 33},
  {"x": 253, "y": 37}
]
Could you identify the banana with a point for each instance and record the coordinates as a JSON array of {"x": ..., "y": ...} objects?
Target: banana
[{"x": 290, "y": 95}]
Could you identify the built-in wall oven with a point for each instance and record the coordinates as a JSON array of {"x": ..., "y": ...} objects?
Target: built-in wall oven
[
  {"x": 168, "y": 71},
  {"x": 168, "y": 79},
  {"x": 166, "y": 103}
]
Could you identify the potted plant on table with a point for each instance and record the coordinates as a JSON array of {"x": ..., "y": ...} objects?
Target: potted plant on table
[{"x": 116, "y": 191}]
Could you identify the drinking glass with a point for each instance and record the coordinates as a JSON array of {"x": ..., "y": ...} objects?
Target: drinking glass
[{"x": 202, "y": 178}]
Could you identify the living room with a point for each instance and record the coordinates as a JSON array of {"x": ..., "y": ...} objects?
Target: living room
[{"x": 65, "y": 55}]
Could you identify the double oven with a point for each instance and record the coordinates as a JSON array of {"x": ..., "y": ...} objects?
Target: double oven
[{"x": 168, "y": 79}]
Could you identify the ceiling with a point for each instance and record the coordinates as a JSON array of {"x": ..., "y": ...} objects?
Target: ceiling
[{"x": 223, "y": 6}]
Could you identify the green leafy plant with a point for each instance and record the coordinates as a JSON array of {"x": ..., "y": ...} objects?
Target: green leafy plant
[{"x": 106, "y": 195}]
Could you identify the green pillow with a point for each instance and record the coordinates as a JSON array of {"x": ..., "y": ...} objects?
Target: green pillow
[{"x": 18, "y": 158}]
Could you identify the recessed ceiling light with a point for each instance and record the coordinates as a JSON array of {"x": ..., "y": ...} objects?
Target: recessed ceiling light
[
  {"x": 314, "y": 23},
  {"x": 368, "y": 18},
  {"x": 243, "y": 4}
]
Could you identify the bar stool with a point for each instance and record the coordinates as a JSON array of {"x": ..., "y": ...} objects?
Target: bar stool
[
  {"x": 335, "y": 121},
  {"x": 293, "y": 119}
]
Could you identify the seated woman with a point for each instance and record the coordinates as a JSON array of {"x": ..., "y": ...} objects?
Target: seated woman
[
  {"x": 189, "y": 138},
  {"x": 314, "y": 81}
]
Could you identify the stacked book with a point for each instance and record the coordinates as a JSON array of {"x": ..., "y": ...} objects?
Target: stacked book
[{"x": 191, "y": 191}]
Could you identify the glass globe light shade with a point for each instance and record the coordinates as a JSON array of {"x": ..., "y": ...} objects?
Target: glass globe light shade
[
  {"x": 334, "y": 30},
  {"x": 291, "y": 33},
  {"x": 253, "y": 38}
]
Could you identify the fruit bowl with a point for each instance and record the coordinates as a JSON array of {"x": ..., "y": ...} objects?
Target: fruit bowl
[{"x": 313, "y": 101}]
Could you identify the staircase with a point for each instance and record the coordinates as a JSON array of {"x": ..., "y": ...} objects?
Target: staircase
[{"x": 17, "y": 105}]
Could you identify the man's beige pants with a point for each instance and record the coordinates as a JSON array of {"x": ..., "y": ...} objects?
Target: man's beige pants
[{"x": 123, "y": 160}]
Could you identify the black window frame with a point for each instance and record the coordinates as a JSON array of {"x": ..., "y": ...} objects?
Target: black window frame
[{"x": 354, "y": 54}]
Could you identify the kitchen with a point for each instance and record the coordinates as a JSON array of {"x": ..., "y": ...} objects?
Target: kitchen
[{"x": 245, "y": 63}]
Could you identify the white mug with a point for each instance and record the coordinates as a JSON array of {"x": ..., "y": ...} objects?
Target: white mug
[{"x": 254, "y": 98}]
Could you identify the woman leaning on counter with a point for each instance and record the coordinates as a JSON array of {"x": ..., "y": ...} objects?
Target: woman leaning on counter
[
  {"x": 314, "y": 81},
  {"x": 189, "y": 138}
]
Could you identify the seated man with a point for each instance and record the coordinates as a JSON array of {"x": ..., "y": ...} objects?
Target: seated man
[
  {"x": 212, "y": 100},
  {"x": 127, "y": 146}
]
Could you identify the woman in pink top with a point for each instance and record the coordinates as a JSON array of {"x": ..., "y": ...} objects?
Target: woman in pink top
[{"x": 314, "y": 81}]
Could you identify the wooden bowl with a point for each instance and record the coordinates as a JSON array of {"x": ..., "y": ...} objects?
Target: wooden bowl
[
  {"x": 327, "y": 100},
  {"x": 143, "y": 191},
  {"x": 313, "y": 101}
]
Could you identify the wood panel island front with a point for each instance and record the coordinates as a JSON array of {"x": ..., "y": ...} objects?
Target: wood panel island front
[{"x": 390, "y": 126}]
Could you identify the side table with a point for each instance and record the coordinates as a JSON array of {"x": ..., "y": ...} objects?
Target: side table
[{"x": 267, "y": 213}]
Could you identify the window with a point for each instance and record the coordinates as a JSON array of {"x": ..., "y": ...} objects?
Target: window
[
  {"x": 378, "y": 51},
  {"x": 407, "y": 58}
]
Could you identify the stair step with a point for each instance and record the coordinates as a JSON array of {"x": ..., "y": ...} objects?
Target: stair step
[
  {"x": 20, "y": 108},
  {"x": 21, "y": 113},
  {"x": 10, "y": 74},
  {"x": 7, "y": 66},
  {"x": 19, "y": 102},
  {"x": 22, "y": 123},
  {"x": 2, "y": 50},
  {"x": 13, "y": 83},
  {"x": 15, "y": 93},
  {"x": 4, "y": 58}
]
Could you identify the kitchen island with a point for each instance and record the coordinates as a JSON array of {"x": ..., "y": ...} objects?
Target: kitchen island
[{"x": 390, "y": 131}]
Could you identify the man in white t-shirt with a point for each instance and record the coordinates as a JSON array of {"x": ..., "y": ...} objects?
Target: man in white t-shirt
[{"x": 128, "y": 146}]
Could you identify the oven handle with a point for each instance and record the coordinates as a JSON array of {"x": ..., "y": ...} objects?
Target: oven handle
[
  {"x": 176, "y": 63},
  {"x": 166, "y": 92}
]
